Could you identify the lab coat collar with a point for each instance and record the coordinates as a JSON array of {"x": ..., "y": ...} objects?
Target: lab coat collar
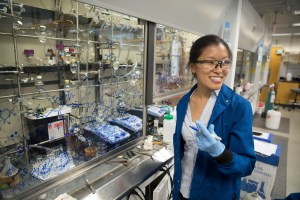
[{"x": 224, "y": 95}]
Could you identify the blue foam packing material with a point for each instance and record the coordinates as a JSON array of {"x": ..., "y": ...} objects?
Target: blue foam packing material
[
  {"x": 110, "y": 133},
  {"x": 130, "y": 122}
]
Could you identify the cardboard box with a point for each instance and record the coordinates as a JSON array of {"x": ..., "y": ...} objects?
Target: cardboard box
[{"x": 263, "y": 176}]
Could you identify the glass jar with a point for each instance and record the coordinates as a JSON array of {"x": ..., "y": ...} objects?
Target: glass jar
[{"x": 28, "y": 57}]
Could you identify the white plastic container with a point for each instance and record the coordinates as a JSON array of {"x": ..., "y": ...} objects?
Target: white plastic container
[
  {"x": 273, "y": 119},
  {"x": 168, "y": 128},
  {"x": 289, "y": 77}
]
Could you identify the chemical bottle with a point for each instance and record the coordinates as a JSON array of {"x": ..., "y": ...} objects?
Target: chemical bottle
[
  {"x": 169, "y": 124},
  {"x": 60, "y": 54},
  {"x": 67, "y": 89},
  {"x": 269, "y": 105}
]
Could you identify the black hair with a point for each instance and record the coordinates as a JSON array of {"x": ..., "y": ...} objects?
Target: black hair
[{"x": 200, "y": 44}]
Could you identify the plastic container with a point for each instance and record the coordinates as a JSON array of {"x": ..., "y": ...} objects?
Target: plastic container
[
  {"x": 273, "y": 119},
  {"x": 168, "y": 127},
  {"x": 289, "y": 77}
]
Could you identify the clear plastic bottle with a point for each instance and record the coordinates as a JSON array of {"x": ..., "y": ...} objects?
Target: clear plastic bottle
[{"x": 67, "y": 89}]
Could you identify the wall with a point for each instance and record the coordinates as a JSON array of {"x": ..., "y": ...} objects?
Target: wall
[
  {"x": 252, "y": 28},
  {"x": 291, "y": 57}
]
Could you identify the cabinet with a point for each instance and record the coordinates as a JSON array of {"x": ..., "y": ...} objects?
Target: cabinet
[{"x": 284, "y": 95}]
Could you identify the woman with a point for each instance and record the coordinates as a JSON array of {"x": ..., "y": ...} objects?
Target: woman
[{"x": 206, "y": 168}]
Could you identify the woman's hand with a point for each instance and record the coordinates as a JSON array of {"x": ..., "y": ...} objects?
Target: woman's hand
[{"x": 206, "y": 142}]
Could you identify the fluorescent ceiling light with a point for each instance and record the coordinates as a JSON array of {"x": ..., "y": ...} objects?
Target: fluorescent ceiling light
[
  {"x": 284, "y": 34},
  {"x": 281, "y": 34},
  {"x": 296, "y": 24}
]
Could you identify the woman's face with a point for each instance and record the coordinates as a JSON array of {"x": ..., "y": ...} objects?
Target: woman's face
[{"x": 207, "y": 77}]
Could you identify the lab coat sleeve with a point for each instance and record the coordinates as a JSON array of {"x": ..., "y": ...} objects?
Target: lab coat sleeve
[{"x": 241, "y": 142}]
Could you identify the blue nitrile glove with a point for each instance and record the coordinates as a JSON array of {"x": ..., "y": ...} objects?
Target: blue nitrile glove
[{"x": 206, "y": 142}]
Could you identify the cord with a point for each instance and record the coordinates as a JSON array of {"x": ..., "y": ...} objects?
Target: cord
[
  {"x": 137, "y": 194},
  {"x": 141, "y": 191},
  {"x": 167, "y": 171}
]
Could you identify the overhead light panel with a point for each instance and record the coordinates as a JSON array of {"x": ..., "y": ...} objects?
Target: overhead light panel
[
  {"x": 296, "y": 24},
  {"x": 281, "y": 34},
  {"x": 284, "y": 34}
]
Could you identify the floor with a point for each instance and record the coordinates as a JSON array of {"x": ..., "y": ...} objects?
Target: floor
[{"x": 293, "y": 151}]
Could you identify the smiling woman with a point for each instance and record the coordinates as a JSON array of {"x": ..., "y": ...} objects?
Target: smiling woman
[
  {"x": 211, "y": 64},
  {"x": 202, "y": 162}
]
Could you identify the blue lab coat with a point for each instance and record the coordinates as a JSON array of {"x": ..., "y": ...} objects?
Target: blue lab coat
[{"x": 232, "y": 117}]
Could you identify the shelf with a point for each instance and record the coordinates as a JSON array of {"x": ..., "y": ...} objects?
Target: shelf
[{"x": 51, "y": 112}]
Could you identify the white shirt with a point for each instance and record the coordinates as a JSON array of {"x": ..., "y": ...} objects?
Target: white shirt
[{"x": 191, "y": 147}]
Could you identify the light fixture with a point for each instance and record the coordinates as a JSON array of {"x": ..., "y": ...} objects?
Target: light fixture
[
  {"x": 296, "y": 24},
  {"x": 281, "y": 34},
  {"x": 284, "y": 34}
]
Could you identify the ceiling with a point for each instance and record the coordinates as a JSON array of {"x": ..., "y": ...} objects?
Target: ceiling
[{"x": 279, "y": 15}]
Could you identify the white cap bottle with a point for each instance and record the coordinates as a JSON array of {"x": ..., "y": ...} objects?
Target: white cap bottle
[{"x": 168, "y": 127}]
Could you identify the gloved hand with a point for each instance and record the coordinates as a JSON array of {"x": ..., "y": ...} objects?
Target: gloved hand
[{"x": 206, "y": 142}]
